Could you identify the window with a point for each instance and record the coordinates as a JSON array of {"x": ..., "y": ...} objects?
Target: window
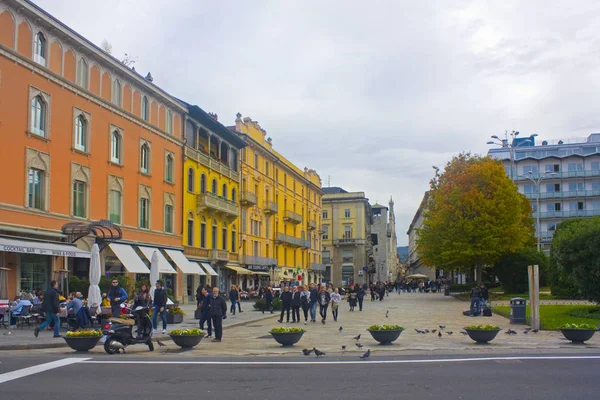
[
  {"x": 203, "y": 235},
  {"x": 244, "y": 218},
  {"x": 256, "y": 161},
  {"x": 529, "y": 189},
  {"x": 145, "y": 109},
  {"x": 115, "y": 206},
  {"x": 169, "y": 218},
  {"x": 224, "y": 238},
  {"x": 557, "y": 206},
  {"x": 553, "y": 168},
  {"x": 40, "y": 49},
  {"x": 36, "y": 189},
  {"x": 82, "y": 73},
  {"x": 144, "y": 213},
  {"x": 574, "y": 186},
  {"x": 190, "y": 230},
  {"x": 576, "y": 206},
  {"x": 325, "y": 235},
  {"x": 575, "y": 167},
  {"x": 116, "y": 92},
  {"x": 145, "y": 158},
  {"x": 553, "y": 187},
  {"x": 596, "y": 185},
  {"x": 202, "y": 183},
  {"x": 325, "y": 214},
  {"x": 233, "y": 195},
  {"x": 267, "y": 168},
  {"x": 115, "y": 147},
  {"x": 233, "y": 241},
  {"x": 530, "y": 168},
  {"x": 191, "y": 180},
  {"x": 214, "y": 235},
  {"x": 169, "y": 122},
  {"x": 595, "y": 165},
  {"x": 551, "y": 226},
  {"x": 214, "y": 186},
  {"x": 38, "y": 116},
  {"x": 79, "y": 199},
  {"x": 81, "y": 133},
  {"x": 267, "y": 226},
  {"x": 374, "y": 239},
  {"x": 169, "y": 168},
  {"x": 347, "y": 213},
  {"x": 224, "y": 193},
  {"x": 347, "y": 232}
]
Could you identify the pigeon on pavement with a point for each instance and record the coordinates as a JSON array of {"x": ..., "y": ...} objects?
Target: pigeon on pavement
[
  {"x": 357, "y": 338},
  {"x": 434, "y": 330},
  {"x": 366, "y": 355},
  {"x": 318, "y": 352},
  {"x": 449, "y": 332},
  {"x": 387, "y": 314},
  {"x": 439, "y": 334},
  {"x": 359, "y": 345},
  {"x": 341, "y": 328},
  {"x": 161, "y": 344},
  {"x": 343, "y": 347},
  {"x": 306, "y": 352},
  {"x": 442, "y": 326}
]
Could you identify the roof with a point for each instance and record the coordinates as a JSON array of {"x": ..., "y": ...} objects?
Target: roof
[
  {"x": 209, "y": 122},
  {"x": 377, "y": 205},
  {"x": 333, "y": 190}
]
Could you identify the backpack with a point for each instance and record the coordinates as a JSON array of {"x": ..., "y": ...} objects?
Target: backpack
[{"x": 487, "y": 312}]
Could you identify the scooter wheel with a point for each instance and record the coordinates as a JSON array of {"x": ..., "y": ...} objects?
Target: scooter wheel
[
  {"x": 150, "y": 345},
  {"x": 109, "y": 346}
]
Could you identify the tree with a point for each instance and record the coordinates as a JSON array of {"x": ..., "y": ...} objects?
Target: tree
[
  {"x": 474, "y": 216},
  {"x": 511, "y": 269},
  {"x": 575, "y": 255}
]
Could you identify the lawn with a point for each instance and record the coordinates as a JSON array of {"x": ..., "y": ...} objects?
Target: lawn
[{"x": 553, "y": 317}]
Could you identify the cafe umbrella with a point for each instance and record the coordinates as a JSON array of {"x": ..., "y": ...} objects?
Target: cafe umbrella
[
  {"x": 154, "y": 274},
  {"x": 94, "y": 294}
]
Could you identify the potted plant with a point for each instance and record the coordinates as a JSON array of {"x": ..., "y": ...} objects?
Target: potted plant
[
  {"x": 82, "y": 340},
  {"x": 385, "y": 334},
  {"x": 287, "y": 336},
  {"x": 577, "y": 333},
  {"x": 175, "y": 315},
  {"x": 482, "y": 333},
  {"x": 187, "y": 338}
]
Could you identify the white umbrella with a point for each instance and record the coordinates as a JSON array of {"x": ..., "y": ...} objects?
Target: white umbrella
[
  {"x": 153, "y": 273},
  {"x": 94, "y": 294}
]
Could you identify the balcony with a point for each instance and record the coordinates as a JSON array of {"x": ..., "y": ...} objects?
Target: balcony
[
  {"x": 292, "y": 217},
  {"x": 348, "y": 241},
  {"x": 218, "y": 255},
  {"x": 217, "y": 205},
  {"x": 255, "y": 260},
  {"x": 326, "y": 260},
  {"x": 312, "y": 225},
  {"x": 270, "y": 207},
  {"x": 248, "y": 198},
  {"x": 564, "y": 195},
  {"x": 215, "y": 165},
  {"x": 561, "y": 175},
  {"x": 291, "y": 241},
  {"x": 348, "y": 259},
  {"x": 317, "y": 267},
  {"x": 567, "y": 214}
]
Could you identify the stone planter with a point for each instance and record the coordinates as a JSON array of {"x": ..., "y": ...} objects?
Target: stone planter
[
  {"x": 82, "y": 343},
  {"x": 578, "y": 335},
  {"x": 386, "y": 337},
  {"x": 287, "y": 339},
  {"x": 482, "y": 336},
  {"x": 174, "y": 318},
  {"x": 186, "y": 341}
]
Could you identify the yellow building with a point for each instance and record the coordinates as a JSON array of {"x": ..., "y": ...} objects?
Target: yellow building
[
  {"x": 211, "y": 200},
  {"x": 280, "y": 217}
]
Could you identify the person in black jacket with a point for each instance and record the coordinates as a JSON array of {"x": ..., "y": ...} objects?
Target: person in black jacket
[
  {"x": 485, "y": 295},
  {"x": 218, "y": 312},
  {"x": 296, "y": 302},
  {"x": 360, "y": 295},
  {"x": 51, "y": 307},
  {"x": 314, "y": 294},
  {"x": 160, "y": 306},
  {"x": 234, "y": 298},
  {"x": 324, "y": 299},
  {"x": 286, "y": 304},
  {"x": 205, "y": 315},
  {"x": 269, "y": 300}
]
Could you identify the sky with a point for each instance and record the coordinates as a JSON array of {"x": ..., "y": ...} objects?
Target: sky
[{"x": 369, "y": 94}]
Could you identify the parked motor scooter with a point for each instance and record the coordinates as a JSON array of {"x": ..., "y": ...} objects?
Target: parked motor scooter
[{"x": 119, "y": 332}]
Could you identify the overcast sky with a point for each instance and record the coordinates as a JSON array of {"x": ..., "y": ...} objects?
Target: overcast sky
[{"x": 371, "y": 94}]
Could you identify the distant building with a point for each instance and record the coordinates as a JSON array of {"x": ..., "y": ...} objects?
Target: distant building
[
  {"x": 414, "y": 265},
  {"x": 384, "y": 241}
]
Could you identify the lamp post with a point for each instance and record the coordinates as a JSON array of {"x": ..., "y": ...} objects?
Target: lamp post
[
  {"x": 537, "y": 181},
  {"x": 510, "y": 145}
]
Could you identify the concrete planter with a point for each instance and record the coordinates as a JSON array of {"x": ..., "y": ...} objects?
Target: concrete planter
[
  {"x": 288, "y": 338},
  {"x": 578, "y": 335},
  {"x": 174, "y": 318},
  {"x": 386, "y": 337},
  {"x": 482, "y": 336},
  {"x": 82, "y": 343},
  {"x": 186, "y": 341}
]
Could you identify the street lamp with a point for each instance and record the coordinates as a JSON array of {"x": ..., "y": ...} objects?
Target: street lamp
[
  {"x": 510, "y": 145},
  {"x": 537, "y": 182}
]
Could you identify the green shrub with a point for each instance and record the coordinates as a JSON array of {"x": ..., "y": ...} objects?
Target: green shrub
[
  {"x": 187, "y": 332},
  {"x": 578, "y": 326},
  {"x": 512, "y": 272},
  {"x": 385, "y": 327},
  {"x": 482, "y": 327},
  {"x": 287, "y": 330},
  {"x": 79, "y": 285},
  {"x": 124, "y": 281},
  {"x": 261, "y": 305}
]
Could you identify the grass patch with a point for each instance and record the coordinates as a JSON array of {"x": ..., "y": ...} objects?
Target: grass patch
[{"x": 552, "y": 317}]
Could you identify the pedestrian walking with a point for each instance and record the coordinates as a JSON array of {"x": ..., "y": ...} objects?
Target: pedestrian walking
[
  {"x": 142, "y": 297},
  {"x": 305, "y": 302},
  {"x": 286, "y": 304},
  {"x": 323, "y": 299},
  {"x": 336, "y": 298},
  {"x": 269, "y": 300},
  {"x": 296, "y": 303},
  {"x": 51, "y": 307},
  {"x": 352, "y": 298},
  {"x": 218, "y": 312},
  {"x": 205, "y": 312},
  {"x": 116, "y": 296},
  {"x": 234, "y": 297},
  {"x": 360, "y": 296},
  {"x": 314, "y": 295},
  {"x": 160, "y": 307}
]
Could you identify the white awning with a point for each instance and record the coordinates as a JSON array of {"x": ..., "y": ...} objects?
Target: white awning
[
  {"x": 164, "y": 267},
  {"x": 239, "y": 270},
  {"x": 43, "y": 248},
  {"x": 208, "y": 269},
  {"x": 260, "y": 273},
  {"x": 184, "y": 265},
  {"x": 129, "y": 258}
]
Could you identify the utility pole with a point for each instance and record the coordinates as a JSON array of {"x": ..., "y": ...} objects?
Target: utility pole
[{"x": 534, "y": 295}]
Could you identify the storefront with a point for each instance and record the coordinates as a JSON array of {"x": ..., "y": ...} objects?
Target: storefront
[{"x": 261, "y": 276}]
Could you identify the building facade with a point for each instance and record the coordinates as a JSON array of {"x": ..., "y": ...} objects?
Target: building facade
[
  {"x": 413, "y": 264},
  {"x": 384, "y": 241},
  {"x": 347, "y": 248},
  {"x": 562, "y": 176},
  {"x": 280, "y": 214},
  {"x": 82, "y": 138}
]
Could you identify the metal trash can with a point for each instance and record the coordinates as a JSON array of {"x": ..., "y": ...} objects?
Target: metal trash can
[{"x": 518, "y": 307}]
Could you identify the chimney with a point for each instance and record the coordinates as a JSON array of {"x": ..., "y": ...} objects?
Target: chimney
[
  {"x": 214, "y": 116},
  {"x": 149, "y": 77}
]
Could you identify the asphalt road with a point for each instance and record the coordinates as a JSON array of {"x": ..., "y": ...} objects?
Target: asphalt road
[{"x": 561, "y": 376}]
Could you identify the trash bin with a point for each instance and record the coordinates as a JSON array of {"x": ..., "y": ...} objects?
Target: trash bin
[
  {"x": 447, "y": 291},
  {"x": 517, "y": 310}
]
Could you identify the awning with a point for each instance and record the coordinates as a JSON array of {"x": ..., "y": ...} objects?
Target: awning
[
  {"x": 260, "y": 273},
  {"x": 129, "y": 258},
  {"x": 164, "y": 267},
  {"x": 43, "y": 248},
  {"x": 239, "y": 270},
  {"x": 209, "y": 269},
  {"x": 186, "y": 266}
]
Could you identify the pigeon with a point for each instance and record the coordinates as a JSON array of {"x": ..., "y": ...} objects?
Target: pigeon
[
  {"x": 161, "y": 344},
  {"x": 442, "y": 326},
  {"x": 526, "y": 331},
  {"x": 439, "y": 334},
  {"x": 306, "y": 352},
  {"x": 387, "y": 314},
  {"x": 418, "y": 330},
  {"x": 318, "y": 352},
  {"x": 341, "y": 329},
  {"x": 366, "y": 355},
  {"x": 535, "y": 330},
  {"x": 359, "y": 345},
  {"x": 434, "y": 330},
  {"x": 463, "y": 332},
  {"x": 426, "y": 330},
  {"x": 510, "y": 332},
  {"x": 343, "y": 347},
  {"x": 357, "y": 338},
  {"x": 118, "y": 346},
  {"x": 449, "y": 332}
]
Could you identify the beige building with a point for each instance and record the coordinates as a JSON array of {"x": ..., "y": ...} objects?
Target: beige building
[
  {"x": 346, "y": 236},
  {"x": 414, "y": 265}
]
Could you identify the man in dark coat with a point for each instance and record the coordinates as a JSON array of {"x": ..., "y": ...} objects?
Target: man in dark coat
[
  {"x": 268, "y": 300},
  {"x": 160, "y": 306},
  {"x": 218, "y": 312},
  {"x": 314, "y": 294},
  {"x": 360, "y": 295},
  {"x": 51, "y": 307},
  {"x": 205, "y": 315},
  {"x": 286, "y": 304},
  {"x": 296, "y": 303},
  {"x": 116, "y": 295}
]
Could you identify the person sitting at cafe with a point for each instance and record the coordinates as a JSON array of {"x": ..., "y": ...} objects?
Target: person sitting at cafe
[
  {"x": 20, "y": 302},
  {"x": 105, "y": 300},
  {"x": 75, "y": 304}
]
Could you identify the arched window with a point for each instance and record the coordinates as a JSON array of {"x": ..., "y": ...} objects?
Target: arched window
[
  {"x": 214, "y": 186},
  {"x": 224, "y": 191},
  {"x": 38, "y": 116},
  {"x": 145, "y": 109},
  {"x": 115, "y": 147},
  {"x": 40, "y": 49},
  {"x": 145, "y": 158},
  {"x": 191, "y": 179},
  {"x": 214, "y": 238},
  {"x": 169, "y": 168},
  {"x": 169, "y": 122},
  {"x": 116, "y": 92},
  {"x": 82, "y": 73},
  {"x": 233, "y": 195},
  {"x": 233, "y": 240},
  {"x": 202, "y": 183},
  {"x": 203, "y": 232},
  {"x": 81, "y": 133},
  {"x": 190, "y": 229}
]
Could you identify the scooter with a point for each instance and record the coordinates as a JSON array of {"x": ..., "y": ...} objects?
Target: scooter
[{"x": 119, "y": 332}]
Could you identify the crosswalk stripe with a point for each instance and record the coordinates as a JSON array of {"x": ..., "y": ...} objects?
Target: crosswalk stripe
[{"x": 36, "y": 369}]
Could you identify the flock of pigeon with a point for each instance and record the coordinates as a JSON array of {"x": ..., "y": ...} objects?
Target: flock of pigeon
[{"x": 358, "y": 344}]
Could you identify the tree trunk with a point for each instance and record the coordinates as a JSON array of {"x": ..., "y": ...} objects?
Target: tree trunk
[{"x": 479, "y": 272}]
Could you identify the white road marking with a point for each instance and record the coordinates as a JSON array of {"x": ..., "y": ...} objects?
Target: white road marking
[
  {"x": 36, "y": 369},
  {"x": 440, "y": 360}
]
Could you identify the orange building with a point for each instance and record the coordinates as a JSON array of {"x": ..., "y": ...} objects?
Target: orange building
[{"x": 82, "y": 138}]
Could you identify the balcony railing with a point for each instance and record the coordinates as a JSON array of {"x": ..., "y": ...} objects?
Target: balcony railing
[
  {"x": 292, "y": 217},
  {"x": 560, "y": 175},
  {"x": 292, "y": 241},
  {"x": 213, "y": 164},
  {"x": 326, "y": 260},
  {"x": 248, "y": 198},
  {"x": 317, "y": 267},
  {"x": 219, "y": 255},
  {"x": 271, "y": 207},
  {"x": 348, "y": 241},
  {"x": 564, "y": 195},
  {"x": 255, "y": 260},
  {"x": 567, "y": 214},
  {"x": 312, "y": 225},
  {"x": 348, "y": 259},
  {"x": 213, "y": 203}
]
